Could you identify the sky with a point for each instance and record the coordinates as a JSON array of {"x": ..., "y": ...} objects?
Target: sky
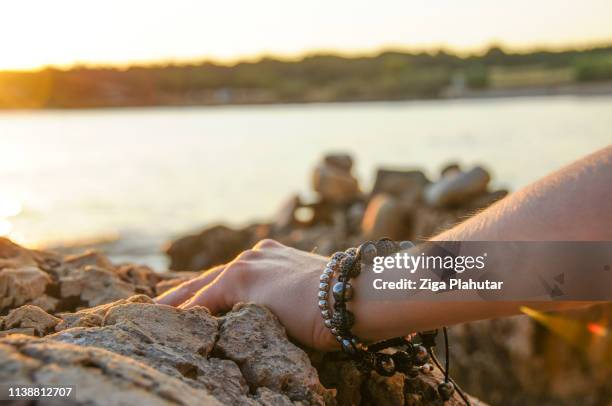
[{"x": 64, "y": 32}]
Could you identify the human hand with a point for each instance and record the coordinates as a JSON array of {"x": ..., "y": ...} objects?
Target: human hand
[{"x": 283, "y": 279}]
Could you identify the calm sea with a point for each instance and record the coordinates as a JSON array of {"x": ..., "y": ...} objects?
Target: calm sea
[{"x": 147, "y": 175}]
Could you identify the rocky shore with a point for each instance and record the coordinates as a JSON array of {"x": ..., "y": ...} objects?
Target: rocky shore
[{"x": 84, "y": 321}]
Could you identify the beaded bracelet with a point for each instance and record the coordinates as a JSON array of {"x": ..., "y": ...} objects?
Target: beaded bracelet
[{"x": 409, "y": 357}]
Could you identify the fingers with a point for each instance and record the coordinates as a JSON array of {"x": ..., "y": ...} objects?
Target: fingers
[
  {"x": 219, "y": 289},
  {"x": 185, "y": 290},
  {"x": 228, "y": 287},
  {"x": 213, "y": 296}
]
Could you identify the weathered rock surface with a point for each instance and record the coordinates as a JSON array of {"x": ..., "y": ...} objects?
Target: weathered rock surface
[
  {"x": 133, "y": 351},
  {"x": 30, "y": 316}
]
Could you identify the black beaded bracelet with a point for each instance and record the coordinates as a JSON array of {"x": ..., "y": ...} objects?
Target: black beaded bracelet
[{"x": 408, "y": 358}]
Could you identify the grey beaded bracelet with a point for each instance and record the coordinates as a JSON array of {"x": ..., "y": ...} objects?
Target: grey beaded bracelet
[{"x": 408, "y": 357}]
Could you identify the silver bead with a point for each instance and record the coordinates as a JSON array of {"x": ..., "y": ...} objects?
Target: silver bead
[
  {"x": 328, "y": 271},
  {"x": 335, "y": 331},
  {"x": 327, "y": 323},
  {"x": 326, "y": 314},
  {"x": 324, "y": 278},
  {"x": 322, "y": 294},
  {"x": 324, "y": 286},
  {"x": 323, "y": 304},
  {"x": 339, "y": 339}
]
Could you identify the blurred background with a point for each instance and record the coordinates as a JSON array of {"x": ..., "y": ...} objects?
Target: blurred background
[
  {"x": 139, "y": 121},
  {"x": 124, "y": 125}
]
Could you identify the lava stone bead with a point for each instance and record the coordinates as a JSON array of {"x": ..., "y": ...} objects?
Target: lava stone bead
[
  {"x": 446, "y": 390},
  {"x": 341, "y": 288},
  {"x": 368, "y": 252},
  {"x": 384, "y": 365},
  {"x": 343, "y": 320}
]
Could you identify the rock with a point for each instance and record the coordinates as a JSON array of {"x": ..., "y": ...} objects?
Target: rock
[
  {"x": 18, "y": 286},
  {"x": 385, "y": 216},
  {"x": 397, "y": 183},
  {"x": 450, "y": 169},
  {"x": 14, "y": 256},
  {"x": 266, "y": 397},
  {"x": 29, "y": 316},
  {"x": 213, "y": 246},
  {"x": 46, "y": 302},
  {"x": 93, "y": 258},
  {"x": 253, "y": 338},
  {"x": 458, "y": 188},
  {"x": 335, "y": 183},
  {"x": 28, "y": 331},
  {"x": 94, "y": 316},
  {"x": 285, "y": 218},
  {"x": 340, "y": 161},
  {"x": 143, "y": 278},
  {"x": 94, "y": 285},
  {"x": 100, "y": 377},
  {"x": 385, "y": 391}
]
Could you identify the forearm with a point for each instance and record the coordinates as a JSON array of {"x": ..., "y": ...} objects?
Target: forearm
[{"x": 570, "y": 205}]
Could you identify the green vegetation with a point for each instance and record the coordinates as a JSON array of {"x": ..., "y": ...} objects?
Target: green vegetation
[{"x": 387, "y": 76}]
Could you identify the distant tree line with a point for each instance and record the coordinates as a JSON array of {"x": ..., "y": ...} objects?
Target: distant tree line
[{"x": 387, "y": 76}]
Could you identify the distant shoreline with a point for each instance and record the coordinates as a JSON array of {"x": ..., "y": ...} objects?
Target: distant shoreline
[{"x": 574, "y": 89}]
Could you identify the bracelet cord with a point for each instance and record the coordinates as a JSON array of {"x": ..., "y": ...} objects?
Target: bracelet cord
[{"x": 409, "y": 358}]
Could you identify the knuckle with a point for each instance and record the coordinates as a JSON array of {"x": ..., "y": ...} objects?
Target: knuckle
[
  {"x": 248, "y": 255},
  {"x": 267, "y": 243}
]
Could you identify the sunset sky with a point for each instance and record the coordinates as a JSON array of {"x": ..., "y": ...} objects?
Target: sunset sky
[{"x": 63, "y": 32}]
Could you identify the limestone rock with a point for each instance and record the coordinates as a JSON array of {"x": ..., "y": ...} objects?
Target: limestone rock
[
  {"x": 99, "y": 376},
  {"x": 93, "y": 258},
  {"x": 94, "y": 285},
  {"x": 18, "y": 286},
  {"x": 143, "y": 278},
  {"x": 456, "y": 189},
  {"x": 253, "y": 338},
  {"x": 213, "y": 246},
  {"x": 340, "y": 161},
  {"x": 397, "y": 183},
  {"x": 334, "y": 182},
  {"x": 29, "y": 316},
  {"x": 384, "y": 217},
  {"x": 95, "y": 316}
]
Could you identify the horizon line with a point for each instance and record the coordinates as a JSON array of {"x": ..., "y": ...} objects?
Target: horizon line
[{"x": 302, "y": 55}]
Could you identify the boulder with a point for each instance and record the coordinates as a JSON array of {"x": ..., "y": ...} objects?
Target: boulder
[
  {"x": 397, "y": 183},
  {"x": 457, "y": 188},
  {"x": 334, "y": 182},
  {"x": 94, "y": 285},
  {"x": 30, "y": 316},
  {"x": 213, "y": 246},
  {"x": 100, "y": 377},
  {"x": 254, "y": 339},
  {"x": 19, "y": 286},
  {"x": 340, "y": 161},
  {"x": 386, "y": 216}
]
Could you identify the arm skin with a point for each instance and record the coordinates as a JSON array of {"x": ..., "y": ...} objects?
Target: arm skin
[{"x": 572, "y": 204}]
